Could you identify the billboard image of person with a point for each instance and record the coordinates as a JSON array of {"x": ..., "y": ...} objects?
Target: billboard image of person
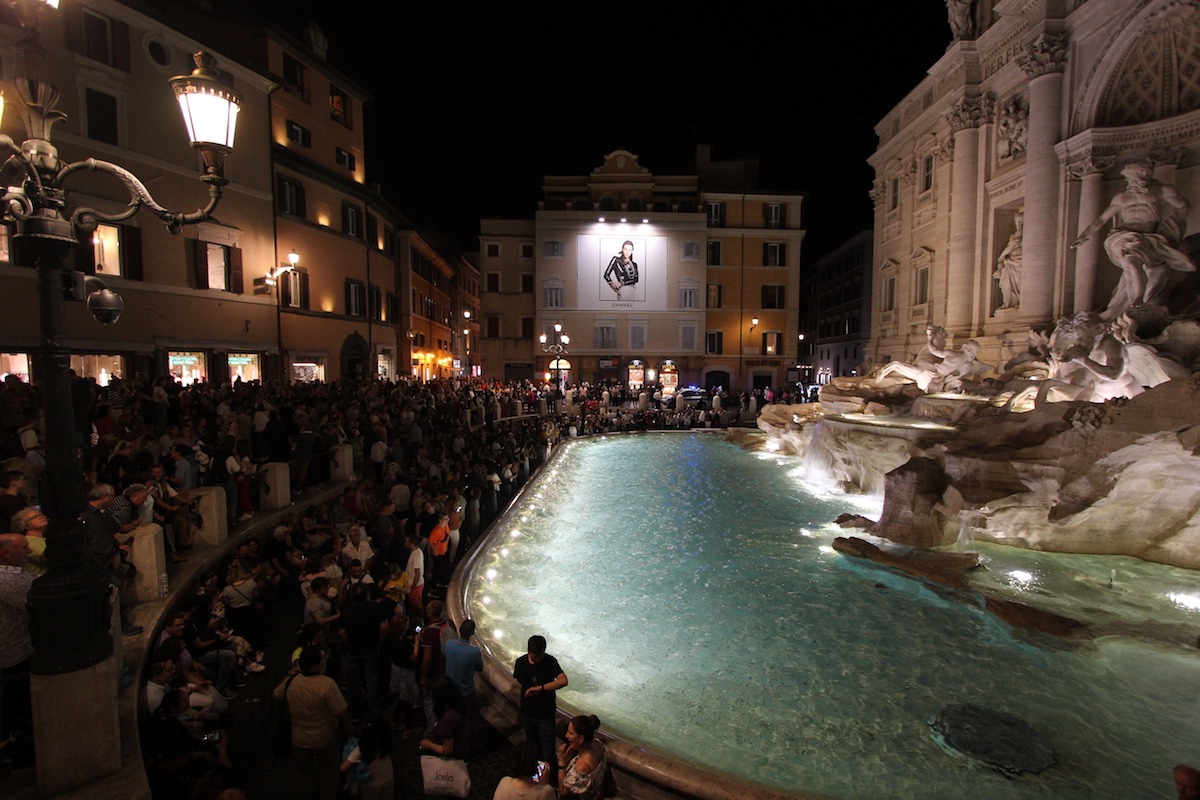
[{"x": 622, "y": 274}]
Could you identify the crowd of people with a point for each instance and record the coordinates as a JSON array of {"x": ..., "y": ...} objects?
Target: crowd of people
[
  {"x": 367, "y": 570},
  {"x": 375, "y": 657}
]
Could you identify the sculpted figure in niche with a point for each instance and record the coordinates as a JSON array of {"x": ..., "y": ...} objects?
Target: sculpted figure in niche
[
  {"x": 1148, "y": 223},
  {"x": 1012, "y": 129},
  {"x": 1008, "y": 265},
  {"x": 962, "y": 21}
]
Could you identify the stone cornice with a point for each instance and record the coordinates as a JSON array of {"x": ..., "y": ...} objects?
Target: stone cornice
[{"x": 1169, "y": 138}]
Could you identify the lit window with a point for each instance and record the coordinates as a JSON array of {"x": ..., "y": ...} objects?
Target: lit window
[
  {"x": 106, "y": 249},
  {"x": 298, "y": 133}
]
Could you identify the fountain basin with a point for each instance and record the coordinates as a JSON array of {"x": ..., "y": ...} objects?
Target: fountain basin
[{"x": 707, "y": 620}]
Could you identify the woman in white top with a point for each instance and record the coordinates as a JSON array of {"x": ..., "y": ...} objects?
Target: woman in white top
[{"x": 582, "y": 761}]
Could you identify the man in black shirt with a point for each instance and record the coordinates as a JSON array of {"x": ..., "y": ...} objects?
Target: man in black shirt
[
  {"x": 101, "y": 532},
  {"x": 540, "y": 676}
]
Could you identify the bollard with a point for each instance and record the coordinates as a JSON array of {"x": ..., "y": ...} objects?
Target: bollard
[
  {"x": 341, "y": 468},
  {"x": 148, "y": 554},
  {"x": 277, "y": 486},
  {"x": 210, "y": 503}
]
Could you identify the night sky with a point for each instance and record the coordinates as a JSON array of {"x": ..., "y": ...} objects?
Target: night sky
[{"x": 472, "y": 107}]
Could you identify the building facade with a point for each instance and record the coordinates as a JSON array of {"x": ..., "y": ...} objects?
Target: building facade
[
  {"x": 838, "y": 327},
  {"x": 305, "y": 273},
  {"x": 189, "y": 311},
  {"x": 1015, "y": 143},
  {"x": 657, "y": 280},
  {"x": 339, "y": 306},
  {"x": 507, "y": 271}
]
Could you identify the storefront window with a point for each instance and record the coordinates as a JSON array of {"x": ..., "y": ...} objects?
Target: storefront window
[
  {"x": 187, "y": 368},
  {"x": 637, "y": 375},
  {"x": 384, "y": 364},
  {"x": 668, "y": 374},
  {"x": 101, "y": 367},
  {"x": 307, "y": 371},
  {"x": 245, "y": 366},
  {"x": 16, "y": 364}
]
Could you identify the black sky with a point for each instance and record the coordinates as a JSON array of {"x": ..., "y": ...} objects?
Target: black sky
[{"x": 473, "y": 106}]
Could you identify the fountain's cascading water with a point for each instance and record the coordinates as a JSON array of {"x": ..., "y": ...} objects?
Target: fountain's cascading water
[
  {"x": 856, "y": 451},
  {"x": 970, "y": 519}
]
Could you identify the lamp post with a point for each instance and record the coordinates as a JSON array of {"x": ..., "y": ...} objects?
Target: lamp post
[
  {"x": 466, "y": 332},
  {"x": 273, "y": 278},
  {"x": 69, "y": 605},
  {"x": 556, "y": 344}
]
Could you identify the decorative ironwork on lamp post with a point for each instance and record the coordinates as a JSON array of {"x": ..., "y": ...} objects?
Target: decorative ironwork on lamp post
[
  {"x": 69, "y": 606},
  {"x": 557, "y": 344}
]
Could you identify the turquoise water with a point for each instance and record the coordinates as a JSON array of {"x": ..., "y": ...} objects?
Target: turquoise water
[{"x": 689, "y": 590}]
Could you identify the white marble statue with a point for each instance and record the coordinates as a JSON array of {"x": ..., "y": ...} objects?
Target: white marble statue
[
  {"x": 962, "y": 20},
  {"x": 1148, "y": 223},
  {"x": 1094, "y": 360},
  {"x": 1008, "y": 266},
  {"x": 948, "y": 374}
]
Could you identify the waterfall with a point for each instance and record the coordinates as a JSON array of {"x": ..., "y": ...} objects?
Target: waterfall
[{"x": 969, "y": 519}]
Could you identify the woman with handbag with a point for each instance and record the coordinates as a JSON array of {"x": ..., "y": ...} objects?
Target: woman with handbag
[
  {"x": 445, "y": 750},
  {"x": 449, "y": 734}
]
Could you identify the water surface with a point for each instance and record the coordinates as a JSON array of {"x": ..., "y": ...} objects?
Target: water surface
[{"x": 689, "y": 590}]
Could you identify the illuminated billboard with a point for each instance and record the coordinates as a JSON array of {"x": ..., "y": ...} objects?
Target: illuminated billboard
[{"x": 622, "y": 272}]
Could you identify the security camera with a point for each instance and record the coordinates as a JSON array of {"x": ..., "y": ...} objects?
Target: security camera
[{"x": 105, "y": 305}]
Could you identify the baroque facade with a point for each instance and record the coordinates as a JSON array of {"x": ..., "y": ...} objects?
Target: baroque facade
[{"x": 1014, "y": 143}]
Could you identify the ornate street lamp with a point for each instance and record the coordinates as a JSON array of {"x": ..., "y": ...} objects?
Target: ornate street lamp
[
  {"x": 558, "y": 346},
  {"x": 69, "y": 605}
]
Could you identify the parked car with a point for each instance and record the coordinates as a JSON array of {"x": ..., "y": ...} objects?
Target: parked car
[{"x": 693, "y": 395}]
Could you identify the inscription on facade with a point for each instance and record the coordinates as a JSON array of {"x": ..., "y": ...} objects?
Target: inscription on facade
[{"x": 999, "y": 61}]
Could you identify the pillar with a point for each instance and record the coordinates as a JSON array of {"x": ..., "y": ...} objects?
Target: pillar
[
  {"x": 968, "y": 114},
  {"x": 1087, "y": 256},
  {"x": 147, "y": 551},
  {"x": 212, "y": 506},
  {"x": 341, "y": 464},
  {"x": 1042, "y": 62},
  {"x": 277, "y": 486},
  {"x": 76, "y": 724}
]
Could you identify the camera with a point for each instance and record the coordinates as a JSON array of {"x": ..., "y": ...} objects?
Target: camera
[
  {"x": 105, "y": 306},
  {"x": 542, "y": 766}
]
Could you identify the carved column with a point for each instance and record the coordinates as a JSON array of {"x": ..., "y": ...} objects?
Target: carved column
[
  {"x": 1087, "y": 256},
  {"x": 964, "y": 121},
  {"x": 1042, "y": 62}
]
